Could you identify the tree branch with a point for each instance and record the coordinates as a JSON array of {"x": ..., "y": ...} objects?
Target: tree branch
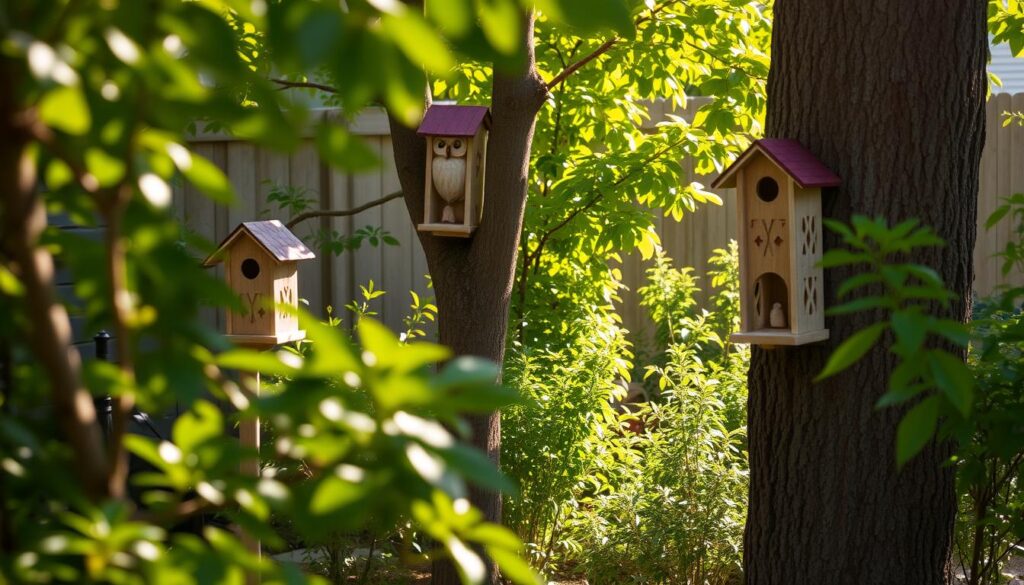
[
  {"x": 535, "y": 256},
  {"x": 601, "y": 50},
  {"x": 342, "y": 212},
  {"x": 286, "y": 84},
  {"x": 24, "y": 219}
]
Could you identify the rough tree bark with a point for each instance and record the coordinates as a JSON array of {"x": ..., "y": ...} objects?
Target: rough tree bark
[
  {"x": 473, "y": 277},
  {"x": 891, "y": 96}
]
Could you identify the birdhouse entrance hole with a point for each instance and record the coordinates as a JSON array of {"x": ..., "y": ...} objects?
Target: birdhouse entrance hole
[
  {"x": 767, "y": 189},
  {"x": 770, "y": 289},
  {"x": 250, "y": 268}
]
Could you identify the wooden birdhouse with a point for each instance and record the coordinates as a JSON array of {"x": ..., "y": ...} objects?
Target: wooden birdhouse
[
  {"x": 456, "y": 151},
  {"x": 261, "y": 265},
  {"x": 778, "y": 193}
]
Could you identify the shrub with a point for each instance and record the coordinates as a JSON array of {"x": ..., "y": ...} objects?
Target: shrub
[{"x": 646, "y": 493}]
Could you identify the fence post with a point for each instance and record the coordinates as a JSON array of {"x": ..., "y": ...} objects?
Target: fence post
[{"x": 104, "y": 404}]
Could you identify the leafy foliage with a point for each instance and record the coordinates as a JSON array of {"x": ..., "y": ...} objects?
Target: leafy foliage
[
  {"x": 351, "y": 450},
  {"x": 905, "y": 294},
  {"x": 666, "y": 504},
  {"x": 990, "y": 458},
  {"x": 626, "y": 491}
]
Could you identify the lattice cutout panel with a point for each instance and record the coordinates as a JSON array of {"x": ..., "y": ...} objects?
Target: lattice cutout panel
[
  {"x": 757, "y": 301},
  {"x": 810, "y": 294},
  {"x": 809, "y": 231}
]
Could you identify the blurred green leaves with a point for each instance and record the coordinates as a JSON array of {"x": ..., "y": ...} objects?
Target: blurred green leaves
[{"x": 908, "y": 295}]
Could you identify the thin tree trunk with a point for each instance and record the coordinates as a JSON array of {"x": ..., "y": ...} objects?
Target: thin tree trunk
[
  {"x": 891, "y": 96},
  {"x": 22, "y": 221},
  {"x": 473, "y": 277}
]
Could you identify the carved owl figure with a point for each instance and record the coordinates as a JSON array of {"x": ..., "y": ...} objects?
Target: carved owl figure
[{"x": 449, "y": 172}]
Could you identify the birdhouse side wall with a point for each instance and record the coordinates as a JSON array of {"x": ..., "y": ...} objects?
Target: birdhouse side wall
[
  {"x": 767, "y": 242},
  {"x": 475, "y": 174},
  {"x": 808, "y": 290},
  {"x": 430, "y": 196},
  {"x": 286, "y": 294},
  {"x": 255, "y": 294}
]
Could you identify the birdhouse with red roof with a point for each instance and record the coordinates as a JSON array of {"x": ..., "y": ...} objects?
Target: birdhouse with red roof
[
  {"x": 778, "y": 186},
  {"x": 261, "y": 265},
  {"x": 456, "y": 150}
]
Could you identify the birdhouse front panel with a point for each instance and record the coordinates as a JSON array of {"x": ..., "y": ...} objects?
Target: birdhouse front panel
[
  {"x": 251, "y": 274},
  {"x": 767, "y": 241},
  {"x": 778, "y": 185},
  {"x": 456, "y": 153},
  {"x": 261, "y": 265}
]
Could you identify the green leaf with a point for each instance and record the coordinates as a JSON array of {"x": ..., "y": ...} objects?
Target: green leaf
[
  {"x": 9, "y": 283},
  {"x": 851, "y": 350},
  {"x": 419, "y": 42},
  {"x": 248, "y": 360},
  {"x": 911, "y": 328},
  {"x": 477, "y": 468},
  {"x": 343, "y": 150},
  {"x": 65, "y": 108},
  {"x": 916, "y": 429},
  {"x": 467, "y": 371},
  {"x": 198, "y": 425},
  {"x": 590, "y": 16},
  {"x": 954, "y": 331},
  {"x": 857, "y": 281},
  {"x": 840, "y": 228},
  {"x": 207, "y": 177},
  {"x": 904, "y": 383},
  {"x": 840, "y": 257},
  {"x": 996, "y": 216},
  {"x": 954, "y": 379},
  {"x": 861, "y": 304},
  {"x": 514, "y": 567},
  {"x": 501, "y": 24},
  {"x": 333, "y": 494},
  {"x": 452, "y": 16},
  {"x": 495, "y": 535}
]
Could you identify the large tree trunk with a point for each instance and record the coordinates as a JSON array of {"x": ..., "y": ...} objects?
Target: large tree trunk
[
  {"x": 891, "y": 96},
  {"x": 473, "y": 277}
]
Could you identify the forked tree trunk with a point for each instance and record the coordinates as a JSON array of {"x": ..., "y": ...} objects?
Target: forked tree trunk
[
  {"x": 891, "y": 96},
  {"x": 473, "y": 277}
]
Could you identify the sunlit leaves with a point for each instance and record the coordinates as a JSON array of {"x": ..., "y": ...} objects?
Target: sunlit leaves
[{"x": 65, "y": 108}]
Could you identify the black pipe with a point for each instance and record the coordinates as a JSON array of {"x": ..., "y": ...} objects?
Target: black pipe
[{"x": 104, "y": 404}]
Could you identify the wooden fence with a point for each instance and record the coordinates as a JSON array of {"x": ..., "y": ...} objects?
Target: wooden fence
[{"x": 335, "y": 280}]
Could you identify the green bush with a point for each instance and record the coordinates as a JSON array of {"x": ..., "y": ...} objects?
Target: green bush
[
  {"x": 548, "y": 442},
  {"x": 639, "y": 493}
]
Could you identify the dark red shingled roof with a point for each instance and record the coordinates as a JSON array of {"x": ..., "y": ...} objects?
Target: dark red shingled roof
[
  {"x": 791, "y": 156},
  {"x": 272, "y": 235},
  {"x": 452, "y": 120}
]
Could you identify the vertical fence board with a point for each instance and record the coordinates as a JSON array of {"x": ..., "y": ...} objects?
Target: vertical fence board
[
  {"x": 1016, "y": 162},
  {"x": 201, "y": 217},
  {"x": 341, "y": 264},
  {"x": 367, "y": 259},
  {"x": 241, "y": 168},
  {"x": 304, "y": 172},
  {"x": 396, "y": 260},
  {"x": 985, "y": 266}
]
